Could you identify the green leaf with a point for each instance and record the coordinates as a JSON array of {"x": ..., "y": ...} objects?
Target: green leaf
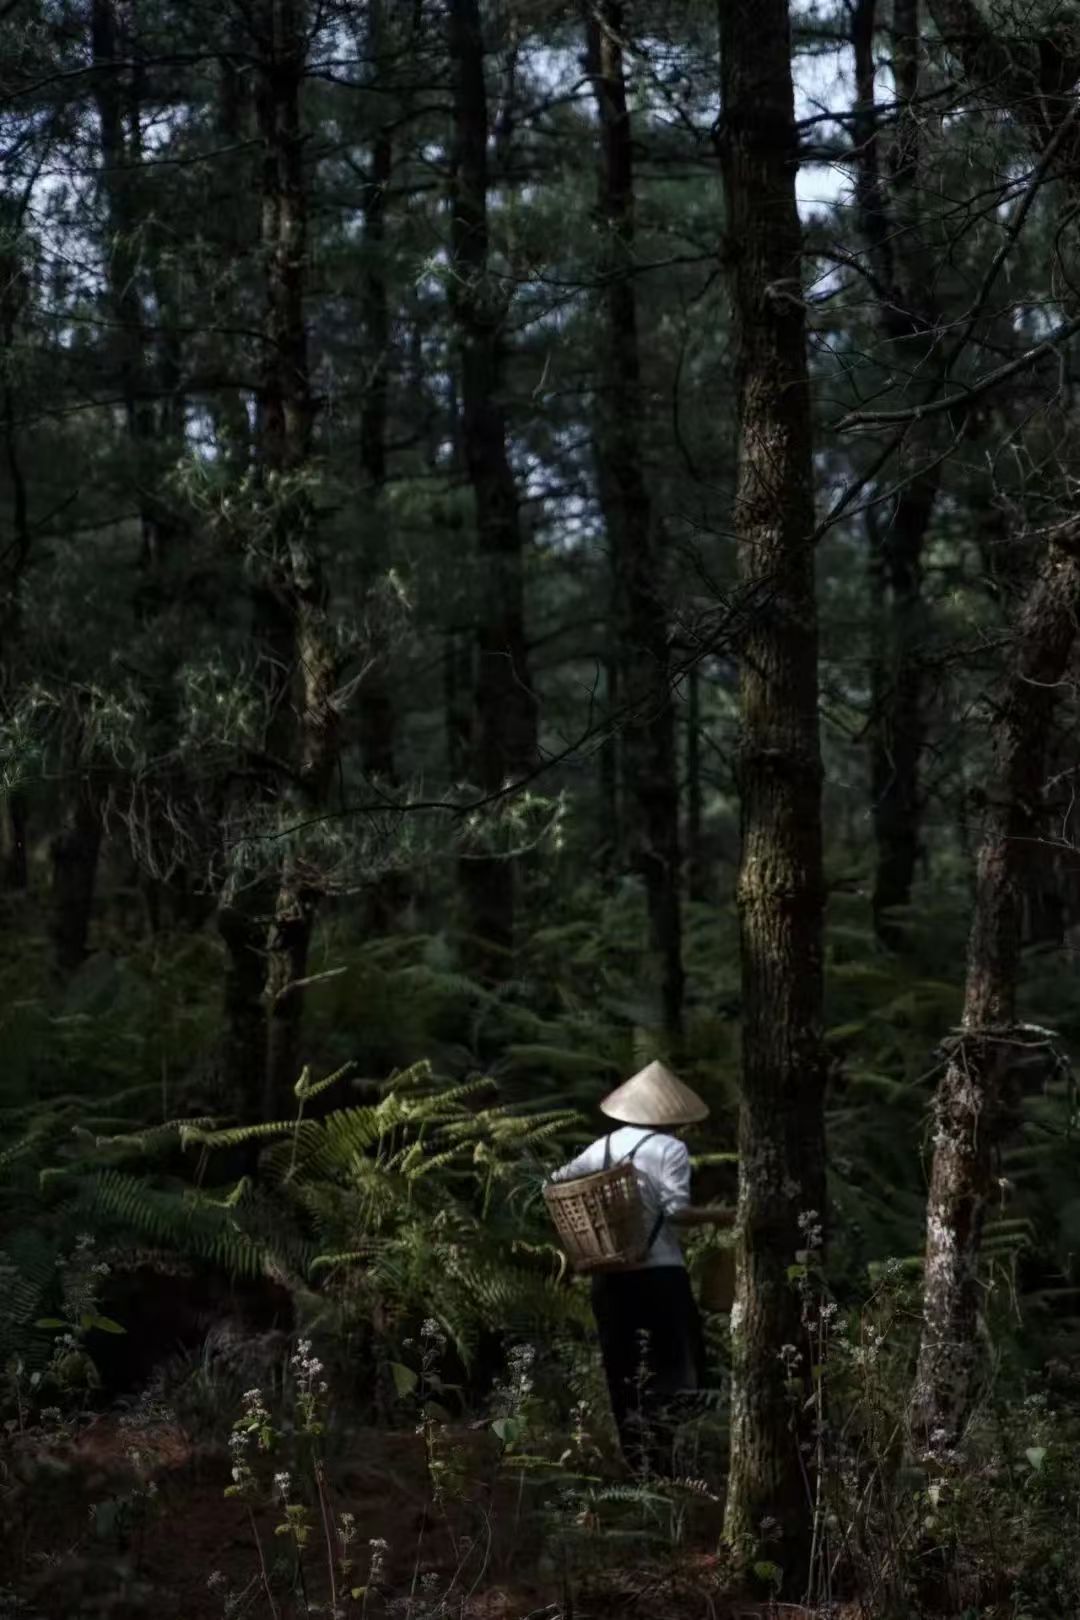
[
  {"x": 105, "y": 1516},
  {"x": 1036, "y": 1456},
  {"x": 405, "y": 1379},
  {"x": 796, "y": 1273},
  {"x": 770, "y": 1573},
  {"x": 52, "y": 1322},
  {"x": 105, "y": 1324},
  {"x": 508, "y": 1429}
]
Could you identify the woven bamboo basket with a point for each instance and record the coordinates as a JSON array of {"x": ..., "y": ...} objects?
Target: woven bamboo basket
[{"x": 600, "y": 1219}]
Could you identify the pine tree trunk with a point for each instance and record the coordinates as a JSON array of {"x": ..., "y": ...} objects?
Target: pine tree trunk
[
  {"x": 13, "y": 292},
  {"x": 887, "y": 198},
  {"x": 377, "y": 718},
  {"x": 267, "y": 914},
  {"x": 16, "y": 825},
  {"x": 697, "y": 877},
  {"x": 505, "y": 706},
  {"x": 244, "y": 928},
  {"x": 973, "y": 1106},
  {"x": 377, "y": 711},
  {"x": 74, "y": 853},
  {"x": 611, "y": 838},
  {"x": 647, "y": 737},
  {"x": 781, "y": 886}
]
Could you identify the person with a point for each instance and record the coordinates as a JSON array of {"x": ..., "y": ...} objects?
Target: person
[{"x": 650, "y": 1332}]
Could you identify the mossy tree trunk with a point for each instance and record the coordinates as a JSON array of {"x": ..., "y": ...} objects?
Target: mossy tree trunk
[
  {"x": 974, "y": 1102},
  {"x": 781, "y": 889}
]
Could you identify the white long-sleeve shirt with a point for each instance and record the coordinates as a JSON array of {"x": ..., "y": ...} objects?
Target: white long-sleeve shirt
[{"x": 662, "y": 1165}]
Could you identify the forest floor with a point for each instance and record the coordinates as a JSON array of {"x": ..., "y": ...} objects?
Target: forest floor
[{"x": 128, "y": 1522}]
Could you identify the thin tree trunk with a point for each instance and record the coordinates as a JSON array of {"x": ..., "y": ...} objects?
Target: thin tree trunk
[
  {"x": 307, "y": 719},
  {"x": 649, "y": 765},
  {"x": 887, "y": 199},
  {"x": 74, "y": 852},
  {"x": 506, "y": 717},
  {"x": 611, "y": 840},
  {"x": 1020, "y": 78},
  {"x": 377, "y": 710},
  {"x": 697, "y": 877},
  {"x": 16, "y": 832},
  {"x": 245, "y": 1043},
  {"x": 973, "y": 1103},
  {"x": 781, "y": 885},
  {"x": 377, "y": 718},
  {"x": 13, "y": 291}
]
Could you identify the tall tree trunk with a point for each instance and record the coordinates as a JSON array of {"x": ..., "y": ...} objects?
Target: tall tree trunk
[
  {"x": 148, "y": 368},
  {"x": 377, "y": 722},
  {"x": 781, "y": 887},
  {"x": 74, "y": 852},
  {"x": 640, "y": 613},
  {"x": 506, "y": 717},
  {"x": 887, "y": 198},
  {"x": 306, "y": 720},
  {"x": 13, "y": 292},
  {"x": 973, "y": 1103},
  {"x": 1022, "y": 78},
  {"x": 697, "y": 877},
  {"x": 377, "y": 710}
]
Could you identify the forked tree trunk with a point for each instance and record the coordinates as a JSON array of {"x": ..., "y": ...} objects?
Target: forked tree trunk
[
  {"x": 781, "y": 887},
  {"x": 647, "y": 736},
  {"x": 505, "y": 706},
  {"x": 973, "y": 1104}
]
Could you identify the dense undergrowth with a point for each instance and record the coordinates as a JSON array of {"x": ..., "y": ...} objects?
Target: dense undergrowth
[{"x": 290, "y": 1298}]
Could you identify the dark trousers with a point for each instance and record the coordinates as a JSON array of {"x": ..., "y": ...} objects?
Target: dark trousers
[{"x": 653, "y": 1353}]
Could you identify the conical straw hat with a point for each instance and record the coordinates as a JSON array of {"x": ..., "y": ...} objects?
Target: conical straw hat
[{"x": 654, "y": 1097}]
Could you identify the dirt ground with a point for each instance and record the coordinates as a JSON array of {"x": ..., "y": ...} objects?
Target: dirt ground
[{"x": 65, "y": 1553}]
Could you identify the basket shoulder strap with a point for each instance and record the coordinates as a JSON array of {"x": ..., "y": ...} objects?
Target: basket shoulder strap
[
  {"x": 637, "y": 1145},
  {"x": 659, "y": 1221}
]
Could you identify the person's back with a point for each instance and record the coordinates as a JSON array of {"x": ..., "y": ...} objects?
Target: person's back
[
  {"x": 662, "y": 1165},
  {"x": 649, "y": 1328}
]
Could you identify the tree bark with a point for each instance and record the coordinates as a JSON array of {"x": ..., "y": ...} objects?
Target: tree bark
[
  {"x": 505, "y": 706},
  {"x": 14, "y": 286},
  {"x": 649, "y": 768},
  {"x": 377, "y": 715},
  {"x": 781, "y": 885},
  {"x": 306, "y": 721},
  {"x": 1032, "y": 81},
  {"x": 887, "y": 198},
  {"x": 697, "y": 876},
  {"x": 973, "y": 1105},
  {"x": 74, "y": 852},
  {"x": 377, "y": 721}
]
